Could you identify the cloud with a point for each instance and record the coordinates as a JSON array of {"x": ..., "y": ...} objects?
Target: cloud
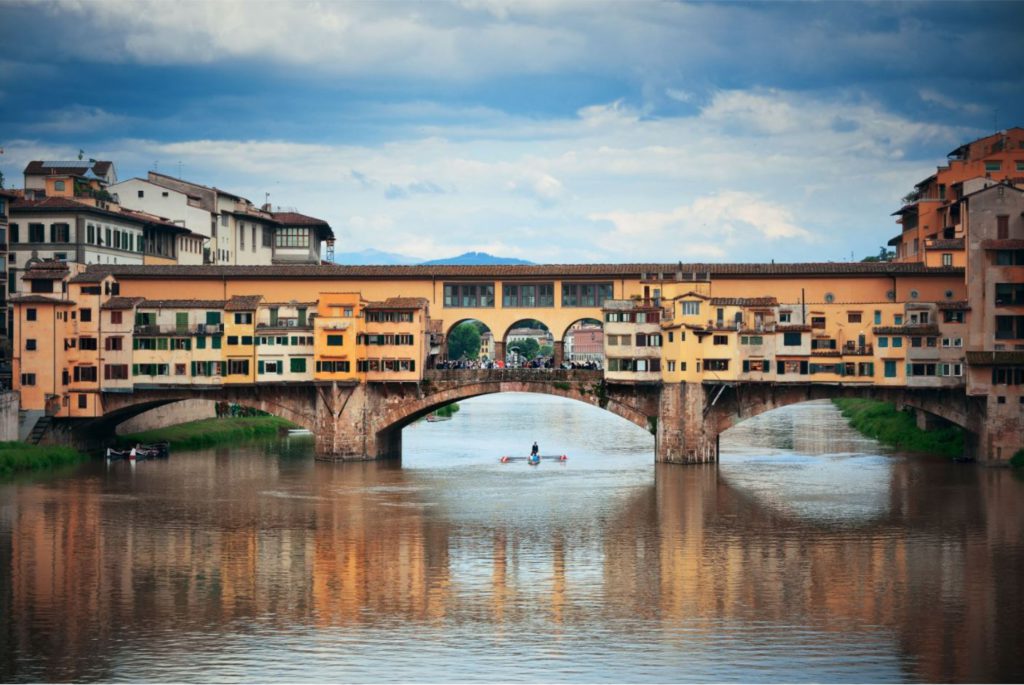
[
  {"x": 79, "y": 119},
  {"x": 933, "y": 96}
]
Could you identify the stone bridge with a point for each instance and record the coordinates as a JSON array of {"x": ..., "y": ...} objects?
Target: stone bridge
[{"x": 365, "y": 421}]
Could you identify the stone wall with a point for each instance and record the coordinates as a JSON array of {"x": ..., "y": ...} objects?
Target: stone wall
[
  {"x": 169, "y": 415},
  {"x": 8, "y": 416}
]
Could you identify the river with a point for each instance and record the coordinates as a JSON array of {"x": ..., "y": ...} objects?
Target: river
[{"x": 808, "y": 554}]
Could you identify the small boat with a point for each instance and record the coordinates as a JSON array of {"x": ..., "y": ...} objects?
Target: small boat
[
  {"x": 434, "y": 417},
  {"x": 158, "y": 450},
  {"x": 533, "y": 461}
]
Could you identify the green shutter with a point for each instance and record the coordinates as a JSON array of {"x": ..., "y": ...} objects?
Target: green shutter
[
  {"x": 200, "y": 342},
  {"x": 280, "y": 367},
  {"x": 260, "y": 366},
  {"x": 216, "y": 340}
]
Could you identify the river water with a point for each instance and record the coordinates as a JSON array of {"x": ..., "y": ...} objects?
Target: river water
[{"x": 808, "y": 554}]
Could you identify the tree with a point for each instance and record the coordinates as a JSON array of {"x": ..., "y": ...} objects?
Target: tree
[
  {"x": 464, "y": 341},
  {"x": 528, "y": 347},
  {"x": 884, "y": 255}
]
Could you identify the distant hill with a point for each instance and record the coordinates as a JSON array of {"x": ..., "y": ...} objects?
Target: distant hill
[
  {"x": 370, "y": 256},
  {"x": 364, "y": 257},
  {"x": 476, "y": 258}
]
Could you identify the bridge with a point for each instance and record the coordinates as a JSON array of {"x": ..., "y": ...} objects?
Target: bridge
[
  {"x": 359, "y": 421},
  {"x": 353, "y": 353}
]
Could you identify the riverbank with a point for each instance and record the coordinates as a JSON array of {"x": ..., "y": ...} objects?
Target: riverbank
[
  {"x": 17, "y": 457},
  {"x": 210, "y": 432},
  {"x": 883, "y": 422}
]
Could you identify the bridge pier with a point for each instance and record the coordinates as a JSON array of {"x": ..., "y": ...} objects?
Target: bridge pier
[{"x": 683, "y": 436}]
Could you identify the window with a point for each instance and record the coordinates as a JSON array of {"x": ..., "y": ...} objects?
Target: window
[
  {"x": 817, "y": 322},
  {"x": 243, "y": 317},
  {"x": 721, "y": 340},
  {"x": 866, "y": 369},
  {"x": 883, "y": 341},
  {"x": 292, "y": 237},
  {"x": 30, "y": 344},
  {"x": 60, "y": 233},
  {"x": 85, "y": 374},
  {"x": 528, "y": 295},
  {"x": 1009, "y": 294},
  {"x": 585, "y": 294},
  {"x": 993, "y": 165},
  {"x": 1002, "y": 227},
  {"x": 915, "y": 341},
  {"x": 853, "y": 317},
  {"x": 756, "y": 365},
  {"x": 335, "y": 340},
  {"x": 116, "y": 317},
  {"x": 1009, "y": 327},
  {"x": 115, "y": 372},
  {"x": 947, "y": 259},
  {"x": 83, "y": 401},
  {"x": 792, "y": 339},
  {"x": 87, "y": 343},
  {"x": 223, "y": 219},
  {"x": 468, "y": 294},
  {"x": 142, "y": 193},
  {"x": 785, "y": 317},
  {"x": 691, "y": 308},
  {"x": 28, "y": 379},
  {"x": 333, "y": 367},
  {"x": 86, "y": 314},
  {"x": 238, "y": 367},
  {"x": 14, "y": 233},
  {"x": 716, "y": 364},
  {"x": 878, "y": 317},
  {"x": 890, "y": 368},
  {"x": 897, "y": 341},
  {"x": 751, "y": 340},
  {"x": 267, "y": 237},
  {"x": 232, "y": 340},
  {"x": 897, "y": 319},
  {"x": 297, "y": 365}
]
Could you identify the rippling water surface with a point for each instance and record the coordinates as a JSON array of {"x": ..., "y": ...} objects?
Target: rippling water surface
[{"x": 808, "y": 554}]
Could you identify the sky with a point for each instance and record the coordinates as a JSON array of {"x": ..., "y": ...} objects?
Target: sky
[{"x": 554, "y": 131}]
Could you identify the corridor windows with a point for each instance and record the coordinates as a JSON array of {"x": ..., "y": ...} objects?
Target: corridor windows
[
  {"x": 528, "y": 295},
  {"x": 585, "y": 294},
  {"x": 469, "y": 294},
  {"x": 333, "y": 367}
]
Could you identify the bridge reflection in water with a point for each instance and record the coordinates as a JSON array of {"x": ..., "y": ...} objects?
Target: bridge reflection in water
[{"x": 248, "y": 562}]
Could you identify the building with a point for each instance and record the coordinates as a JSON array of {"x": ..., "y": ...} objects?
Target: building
[
  {"x": 584, "y": 342},
  {"x": 6, "y": 198},
  {"x": 931, "y": 220},
  {"x": 68, "y": 230},
  {"x": 235, "y": 231},
  {"x": 87, "y": 180}
]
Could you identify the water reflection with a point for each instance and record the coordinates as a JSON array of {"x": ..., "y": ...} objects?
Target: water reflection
[{"x": 256, "y": 563}]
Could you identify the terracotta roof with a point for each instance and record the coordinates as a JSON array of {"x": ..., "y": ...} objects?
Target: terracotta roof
[
  {"x": 744, "y": 302},
  {"x": 181, "y": 304},
  {"x": 121, "y": 303},
  {"x": 992, "y": 358},
  {"x": 399, "y": 303},
  {"x": 296, "y": 219},
  {"x": 52, "y": 204},
  {"x": 76, "y": 168},
  {"x": 38, "y": 299},
  {"x": 87, "y": 277},
  {"x": 926, "y": 329},
  {"x": 241, "y": 303},
  {"x": 568, "y": 271},
  {"x": 944, "y": 244}
]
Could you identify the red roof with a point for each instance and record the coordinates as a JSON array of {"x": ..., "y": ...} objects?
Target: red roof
[{"x": 71, "y": 167}]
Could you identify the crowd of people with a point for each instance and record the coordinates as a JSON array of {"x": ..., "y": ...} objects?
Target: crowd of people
[{"x": 513, "y": 363}]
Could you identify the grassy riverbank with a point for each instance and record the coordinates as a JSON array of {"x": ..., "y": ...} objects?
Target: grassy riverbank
[
  {"x": 882, "y": 421},
  {"x": 209, "y": 432},
  {"x": 18, "y": 456}
]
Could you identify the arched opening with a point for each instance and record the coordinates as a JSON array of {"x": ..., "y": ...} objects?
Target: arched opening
[
  {"x": 529, "y": 343},
  {"x": 583, "y": 344},
  {"x": 495, "y": 424},
  {"x": 468, "y": 343}
]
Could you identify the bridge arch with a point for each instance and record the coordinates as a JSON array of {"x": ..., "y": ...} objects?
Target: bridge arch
[{"x": 587, "y": 388}]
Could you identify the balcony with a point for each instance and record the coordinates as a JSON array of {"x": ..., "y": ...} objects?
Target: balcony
[
  {"x": 289, "y": 323},
  {"x": 853, "y": 350},
  {"x": 176, "y": 330}
]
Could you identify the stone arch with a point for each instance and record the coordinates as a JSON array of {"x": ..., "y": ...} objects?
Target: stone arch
[
  {"x": 560, "y": 342},
  {"x": 506, "y": 343},
  {"x": 389, "y": 423}
]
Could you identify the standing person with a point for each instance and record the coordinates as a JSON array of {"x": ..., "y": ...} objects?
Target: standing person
[{"x": 535, "y": 450}]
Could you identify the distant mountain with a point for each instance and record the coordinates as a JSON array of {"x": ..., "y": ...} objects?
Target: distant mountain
[
  {"x": 371, "y": 256},
  {"x": 364, "y": 257},
  {"x": 476, "y": 259}
]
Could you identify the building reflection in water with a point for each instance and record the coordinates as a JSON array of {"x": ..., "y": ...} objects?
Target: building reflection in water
[{"x": 201, "y": 545}]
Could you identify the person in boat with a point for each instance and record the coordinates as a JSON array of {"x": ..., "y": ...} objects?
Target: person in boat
[
  {"x": 134, "y": 452},
  {"x": 535, "y": 451}
]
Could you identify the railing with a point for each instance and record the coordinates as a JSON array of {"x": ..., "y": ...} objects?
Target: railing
[
  {"x": 531, "y": 375},
  {"x": 174, "y": 329},
  {"x": 854, "y": 350}
]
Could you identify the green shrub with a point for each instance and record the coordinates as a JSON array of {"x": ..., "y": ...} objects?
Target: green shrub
[
  {"x": 208, "y": 432},
  {"x": 19, "y": 456},
  {"x": 1017, "y": 460},
  {"x": 448, "y": 409},
  {"x": 883, "y": 422}
]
